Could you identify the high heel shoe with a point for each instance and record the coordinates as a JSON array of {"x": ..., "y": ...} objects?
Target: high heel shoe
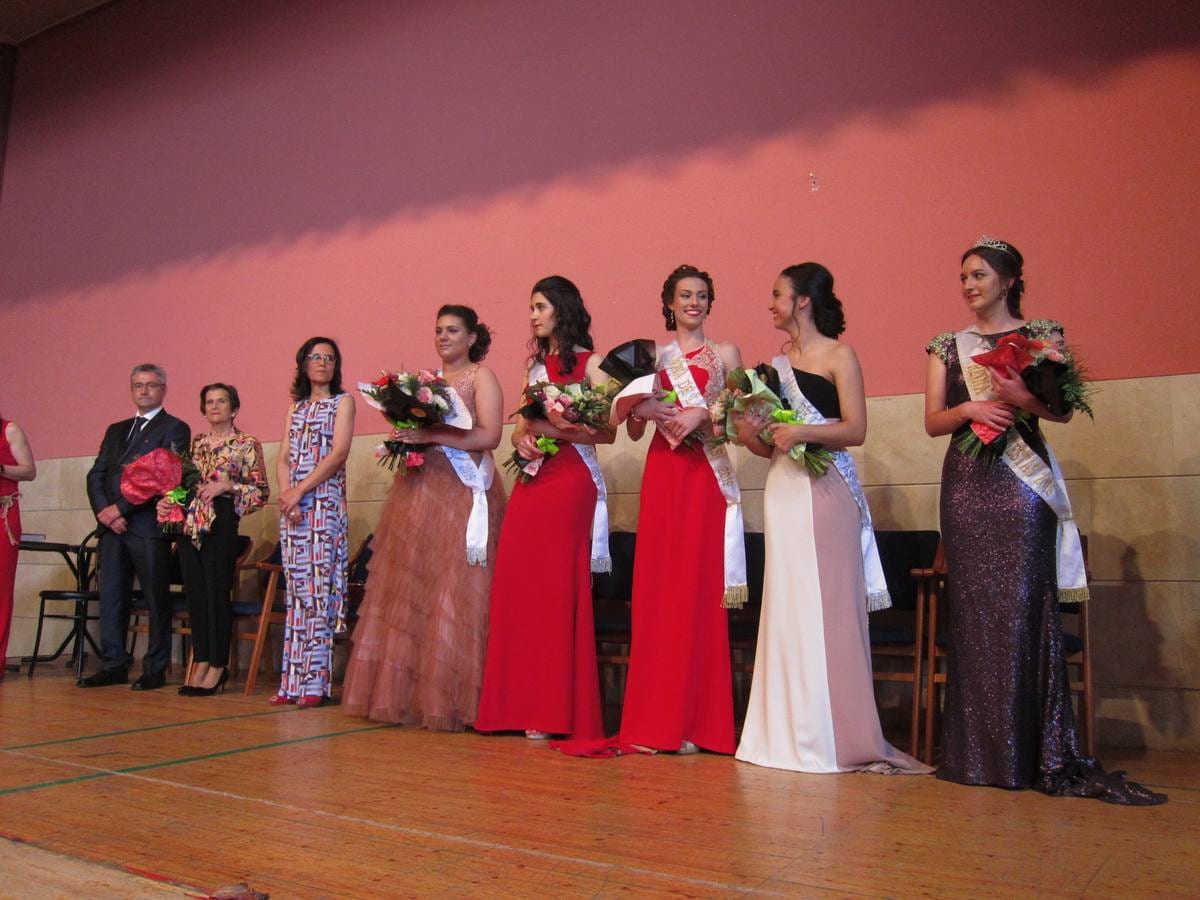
[
  {"x": 281, "y": 700},
  {"x": 310, "y": 701},
  {"x": 218, "y": 688}
]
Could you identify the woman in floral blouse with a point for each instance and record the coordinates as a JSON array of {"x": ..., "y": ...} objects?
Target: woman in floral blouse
[{"x": 233, "y": 483}]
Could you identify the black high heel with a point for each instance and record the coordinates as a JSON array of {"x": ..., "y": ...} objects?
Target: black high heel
[{"x": 218, "y": 688}]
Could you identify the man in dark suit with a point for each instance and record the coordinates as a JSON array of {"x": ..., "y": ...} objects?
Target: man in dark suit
[{"x": 132, "y": 541}]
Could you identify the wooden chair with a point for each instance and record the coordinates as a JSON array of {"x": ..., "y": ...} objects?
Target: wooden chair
[
  {"x": 909, "y": 559},
  {"x": 1076, "y": 649},
  {"x": 273, "y": 608}
]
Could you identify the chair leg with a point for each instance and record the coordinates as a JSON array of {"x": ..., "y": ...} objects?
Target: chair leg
[
  {"x": 263, "y": 635},
  {"x": 914, "y": 723},
  {"x": 37, "y": 640},
  {"x": 930, "y": 678},
  {"x": 1088, "y": 700}
]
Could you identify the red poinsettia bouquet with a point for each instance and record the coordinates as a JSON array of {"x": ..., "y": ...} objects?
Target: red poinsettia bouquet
[
  {"x": 162, "y": 473},
  {"x": 1051, "y": 373},
  {"x": 407, "y": 400},
  {"x": 568, "y": 407}
]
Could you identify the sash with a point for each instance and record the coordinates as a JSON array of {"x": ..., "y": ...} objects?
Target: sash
[
  {"x": 672, "y": 360},
  {"x": 1044, "y": 480},
  {"x": 475, "y": 478},
  {"x": 601, "y": 561},
  {"x": 877, "y": 592},
  {"x": 6, "y": 503}
]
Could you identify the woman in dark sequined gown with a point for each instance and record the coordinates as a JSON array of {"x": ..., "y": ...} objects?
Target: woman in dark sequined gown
[{"x": 1008, "y": 717}]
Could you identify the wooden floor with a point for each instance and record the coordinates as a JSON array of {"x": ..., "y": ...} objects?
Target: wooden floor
[{"x": 202, "y": 793}]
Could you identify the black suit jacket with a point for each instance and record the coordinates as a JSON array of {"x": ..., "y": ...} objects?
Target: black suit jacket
[{"x": 104, "y": 478}]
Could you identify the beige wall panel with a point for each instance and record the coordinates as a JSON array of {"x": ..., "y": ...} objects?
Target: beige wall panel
[
  {"x": 1189, "y": 631},
  {"x": 1145, "y": 529},
  {"x": 623, "y": 512},
  {"x": 60, "y": 483},
  {"x": 1157, "y": 718},
  {"x": 1116, "y": 445},
  {"x": 1185, "y": 424},
  {"x": 897, "y": 449},
  {"x": 622, "y": 463},
  {"x": 904, "y": 507},
  {"x": 1137, "y": 635},
  {"x": 66, "y": 526}
]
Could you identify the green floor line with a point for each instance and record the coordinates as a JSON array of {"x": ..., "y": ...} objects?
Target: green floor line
[
  {"x": 176, "y": 762},
  {"x": 104, "y": 734}
]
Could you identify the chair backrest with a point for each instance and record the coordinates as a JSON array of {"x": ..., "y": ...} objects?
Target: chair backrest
[{"x": 900, "y": 552}]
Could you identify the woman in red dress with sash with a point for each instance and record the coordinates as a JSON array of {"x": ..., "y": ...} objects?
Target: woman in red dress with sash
[
  {"x": 679, "y": 693},
  {"x": 540, "y": 674},
  {"x": 16, "y": 464}
]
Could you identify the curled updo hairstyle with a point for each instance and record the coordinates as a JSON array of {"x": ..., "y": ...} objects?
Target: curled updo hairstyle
[
  {"x": 1008, "y": 264},
  {"x": 301, "y": 385},
  {"x": 470, "y": 319},
  {"x": 814, "y": 281},
  {"x": 668, "y": 291},
  {"x": 572, "y": 323},
  {"x": 235, "y": 402}
]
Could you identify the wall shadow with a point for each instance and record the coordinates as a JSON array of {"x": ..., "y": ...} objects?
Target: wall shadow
[{"x": 221, "y": 125}]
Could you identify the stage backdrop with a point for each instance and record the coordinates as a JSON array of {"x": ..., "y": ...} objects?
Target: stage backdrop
[{"x": 206, "y": 184}]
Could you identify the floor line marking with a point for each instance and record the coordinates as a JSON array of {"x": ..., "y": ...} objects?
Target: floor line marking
[
  {"x": 100, "y": 772},
  {"x": 104, "y": 734},
  {"x": 607, "y": 868}
]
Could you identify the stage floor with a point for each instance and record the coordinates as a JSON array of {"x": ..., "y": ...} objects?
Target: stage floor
[{"x": 202, "y": 793}]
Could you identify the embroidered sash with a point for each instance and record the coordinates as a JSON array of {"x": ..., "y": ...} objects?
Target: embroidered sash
[
  {"x": 1044, "y": 480},
  {"x": 673, "y": 361},
  {"x": 877, "y": 593},
  {"x": 601, "y": 561},
  {"x": 475, "y": 478}
]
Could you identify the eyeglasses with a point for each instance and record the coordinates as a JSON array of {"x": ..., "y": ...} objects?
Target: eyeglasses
[
  {"x": 147, "y": 385},
  {"x": 321, "y": 357}
]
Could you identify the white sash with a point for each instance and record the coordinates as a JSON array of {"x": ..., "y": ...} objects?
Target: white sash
[
  {"x": 673, "y": 361},
  {"x": 601, "y": 561},
  {"x": 877, "y": 593},
  {"x": 475, "y": 478},
  {"x": 1044, "y": 480}
]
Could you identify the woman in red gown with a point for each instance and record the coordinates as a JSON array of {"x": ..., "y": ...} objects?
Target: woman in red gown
[
  {"x": 540, "y": 674},
  {"x": 16, "y": 465},
  {"x": 679, "y": 693}
]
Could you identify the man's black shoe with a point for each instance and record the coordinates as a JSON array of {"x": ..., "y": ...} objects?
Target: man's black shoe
[
  {"x": 147, "y": 682},
  {"x": 104, "y": 678}
]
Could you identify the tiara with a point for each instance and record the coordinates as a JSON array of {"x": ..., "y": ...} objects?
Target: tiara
[{"x": 993, "y": 244}]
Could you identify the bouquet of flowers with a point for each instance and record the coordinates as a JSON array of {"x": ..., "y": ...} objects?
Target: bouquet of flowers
[
  {"x": 162, "y": 473},
  {"x": 407, "y": 400},
  {"x": 577, "y": 405},
  {"x": 1050, "y": 372},
  {"x": 637, "y": 359},
  {"x": 750, "y": 391}
]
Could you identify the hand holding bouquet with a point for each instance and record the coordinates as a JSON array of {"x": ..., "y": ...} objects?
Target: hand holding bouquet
[
  {"x": 408, "y": 401},
  {"x": 747, "y": 394},
  {"x": 1050, "y": 373},
  {"x": 574, "y": 407}
]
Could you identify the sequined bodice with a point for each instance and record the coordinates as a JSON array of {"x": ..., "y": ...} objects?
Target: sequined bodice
[{"x": 707, "y": 368}]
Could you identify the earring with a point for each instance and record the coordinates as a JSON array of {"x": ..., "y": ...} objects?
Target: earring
[{"x": 670, "y": 319}]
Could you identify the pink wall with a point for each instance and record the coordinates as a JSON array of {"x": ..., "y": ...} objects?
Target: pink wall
[{"x": 205, "y": 184}]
